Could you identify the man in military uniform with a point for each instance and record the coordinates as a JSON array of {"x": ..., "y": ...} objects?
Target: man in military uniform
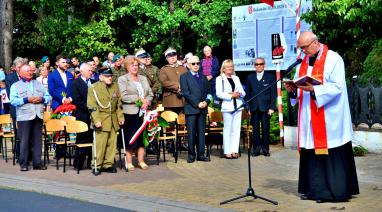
[
  {"x": 117, "y": 68},
  {"x": 150, "y": 71},
  {"x": 104, "y": 102},
  {"x": 169, "y": 77}
]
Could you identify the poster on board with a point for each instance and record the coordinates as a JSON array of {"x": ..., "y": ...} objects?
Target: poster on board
[{"x": 252, "y": 29}]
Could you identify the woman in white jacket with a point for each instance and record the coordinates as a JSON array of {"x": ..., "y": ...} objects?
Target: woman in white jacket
[{"x": 230, "y": 90}]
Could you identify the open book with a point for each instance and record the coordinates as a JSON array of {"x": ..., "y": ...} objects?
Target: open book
[{"x": 301, "y": 81}]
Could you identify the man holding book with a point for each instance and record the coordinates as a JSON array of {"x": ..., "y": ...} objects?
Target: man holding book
[{"x": 327, "y": 168}]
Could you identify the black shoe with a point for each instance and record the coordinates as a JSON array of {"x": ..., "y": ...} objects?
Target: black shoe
[
  {"x": 205, "y": 159},
  {"x": 110, "y": 170},
  {"x": 255, "y": 154},
  {"x": 98, "y": 172},
  {"x": 190, "y": 160},
  {"x": 320, "y": 201},
  {"x": 24, "y": 169},
  {"x": 304, "y": 197},
  {"x": 267, "y": 154},
  {"x": 39, "y": 167}
]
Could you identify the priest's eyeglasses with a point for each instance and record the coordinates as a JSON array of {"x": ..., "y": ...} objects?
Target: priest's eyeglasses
[{"x": 307, "y": 46}]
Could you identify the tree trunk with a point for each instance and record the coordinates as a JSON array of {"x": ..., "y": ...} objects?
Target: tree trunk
[{"x": 6, "y": 14}]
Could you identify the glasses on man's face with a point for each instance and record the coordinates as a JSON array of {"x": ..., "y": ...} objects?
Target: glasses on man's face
[
  {"x": 259, "y": 64},
  {"x": 306, "y": 46},
  {"x": 194, "y": 64}
]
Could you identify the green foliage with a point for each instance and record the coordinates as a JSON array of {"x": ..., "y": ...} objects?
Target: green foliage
[
  {"x": 93, "y": 39},
  {"x": 373, "y": 65},
  {"x": 162, "y": 122},
  {"x": 359, "y": 150},
  {"x": 348, "y": 26}
]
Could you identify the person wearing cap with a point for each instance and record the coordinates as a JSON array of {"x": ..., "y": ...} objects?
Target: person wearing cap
[
  {"x": 59, "y": 83},
  {"x": 169, "y": 76},
  {"x": 117, "y": 67},
  {"x": 46, "y": 63},
  {"x": 196, "y": 92},
  {"x": 210, "y": 68},
  {"x": 104, "y": 102},
  {"x": 150, "y": 71}
]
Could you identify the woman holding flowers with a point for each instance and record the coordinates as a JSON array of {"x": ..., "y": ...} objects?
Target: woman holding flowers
[{"x": 136, "y": 98}]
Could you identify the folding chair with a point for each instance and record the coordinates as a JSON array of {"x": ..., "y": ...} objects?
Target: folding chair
[
  {"x": 217, "y": 130},
  {"x": 55, "y": 126},
  {"x": 168, "y": 134},
  {"x": 75, "y": 127},
  {"x": 7, "y": 132}
]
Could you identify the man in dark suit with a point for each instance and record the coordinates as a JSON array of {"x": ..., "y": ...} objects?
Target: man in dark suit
[
  {"x": 196, "y": 92},
  {"x": 261, "y": 107},
  {"x": 79, "y": 88},
  {"x": 59, "y": 83},
  {"x": 9, "y": 80}
]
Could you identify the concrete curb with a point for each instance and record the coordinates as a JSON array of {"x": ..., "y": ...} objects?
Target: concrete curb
[{"x": 117, "y": 199}]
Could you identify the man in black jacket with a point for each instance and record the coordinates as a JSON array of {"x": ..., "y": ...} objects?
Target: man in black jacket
[
  {"x": 196, "y": 92},
  {"x": 79, "y": 95},
  {"x": 261, "y": 107}
]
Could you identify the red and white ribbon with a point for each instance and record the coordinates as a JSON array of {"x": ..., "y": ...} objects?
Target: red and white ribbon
[{"x": 148, "y": 118}]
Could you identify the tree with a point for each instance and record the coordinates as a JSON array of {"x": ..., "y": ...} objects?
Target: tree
[
  {"x": 6, "y": 14},
  {"x": 349, "y": 27}
]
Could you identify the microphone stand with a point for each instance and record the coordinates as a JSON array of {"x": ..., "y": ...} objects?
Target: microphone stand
[{"x": 250, "y": 191}]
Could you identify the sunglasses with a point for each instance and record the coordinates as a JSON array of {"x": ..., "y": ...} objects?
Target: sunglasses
[
  {"x": 172, "y": 54},
  {"x": 197, "y": 63},
  {"x": 259, "y": 64}
]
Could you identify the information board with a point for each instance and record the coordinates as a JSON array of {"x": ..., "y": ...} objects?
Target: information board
[{"x": 253, "y": 26}]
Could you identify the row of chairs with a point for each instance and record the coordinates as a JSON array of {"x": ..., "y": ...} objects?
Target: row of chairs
[
  {"x": 67, "y": 127},
  {"x": 177, "y": 131}
]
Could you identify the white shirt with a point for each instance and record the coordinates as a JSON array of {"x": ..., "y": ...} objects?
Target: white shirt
[
  {"x": 332, "y": 94},
  {"x": 63, "y": 77},
  {"x": 223, "y": 90},
  {"x": 259, "y": 75},
  {"x": 87, "y": 81}
]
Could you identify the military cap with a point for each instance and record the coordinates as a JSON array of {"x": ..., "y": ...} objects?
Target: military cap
[
  {"x": 141, "y": 53},
  {"x": 105, "y": 71},
  {"x": 170, "y": 52}
]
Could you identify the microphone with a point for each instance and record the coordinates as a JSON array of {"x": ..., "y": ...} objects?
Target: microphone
[{"x": 298, "y": 61}]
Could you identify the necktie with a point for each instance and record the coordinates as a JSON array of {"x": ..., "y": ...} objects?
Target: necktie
[
  {"x": 88, "y": 82},
  {"x": 197, "y": 78}
]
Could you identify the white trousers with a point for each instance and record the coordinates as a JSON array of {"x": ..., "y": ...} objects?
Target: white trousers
[{"x": 231, "y": 132}]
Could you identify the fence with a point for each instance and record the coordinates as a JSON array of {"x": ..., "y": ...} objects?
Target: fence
[{"x": 365, "y": 106}]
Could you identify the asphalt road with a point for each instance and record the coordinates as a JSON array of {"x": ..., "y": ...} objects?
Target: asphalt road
[{"x": 16, "y": 200}]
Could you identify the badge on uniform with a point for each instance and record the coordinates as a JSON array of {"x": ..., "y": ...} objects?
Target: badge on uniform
[{"x": 114, "y": 96}]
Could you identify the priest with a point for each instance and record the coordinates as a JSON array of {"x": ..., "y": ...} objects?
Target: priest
[{"x": 327, "y": 168}]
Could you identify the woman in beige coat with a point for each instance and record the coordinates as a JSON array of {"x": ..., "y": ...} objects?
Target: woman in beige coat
[{"x": 134, "y": 88}]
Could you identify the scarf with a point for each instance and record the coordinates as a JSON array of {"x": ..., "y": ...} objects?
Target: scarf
[{"x": 317, "y": 114}]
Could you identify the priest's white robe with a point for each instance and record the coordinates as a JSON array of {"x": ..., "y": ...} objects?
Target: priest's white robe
[{"x": 332, "y": 95}]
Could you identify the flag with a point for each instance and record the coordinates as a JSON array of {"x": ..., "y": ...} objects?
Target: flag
[{"x": 269, "y": 2}]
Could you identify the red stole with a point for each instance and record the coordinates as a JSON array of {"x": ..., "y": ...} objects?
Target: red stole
[{"x": 317, "y": 114}]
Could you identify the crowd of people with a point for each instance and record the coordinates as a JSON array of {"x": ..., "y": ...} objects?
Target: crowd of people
[{"x": 106, "y": 96}]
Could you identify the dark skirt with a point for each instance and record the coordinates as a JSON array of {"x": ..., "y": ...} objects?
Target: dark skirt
[
  {"x": 132, "y": 124},
  {"x": 330, "y": 177}
]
